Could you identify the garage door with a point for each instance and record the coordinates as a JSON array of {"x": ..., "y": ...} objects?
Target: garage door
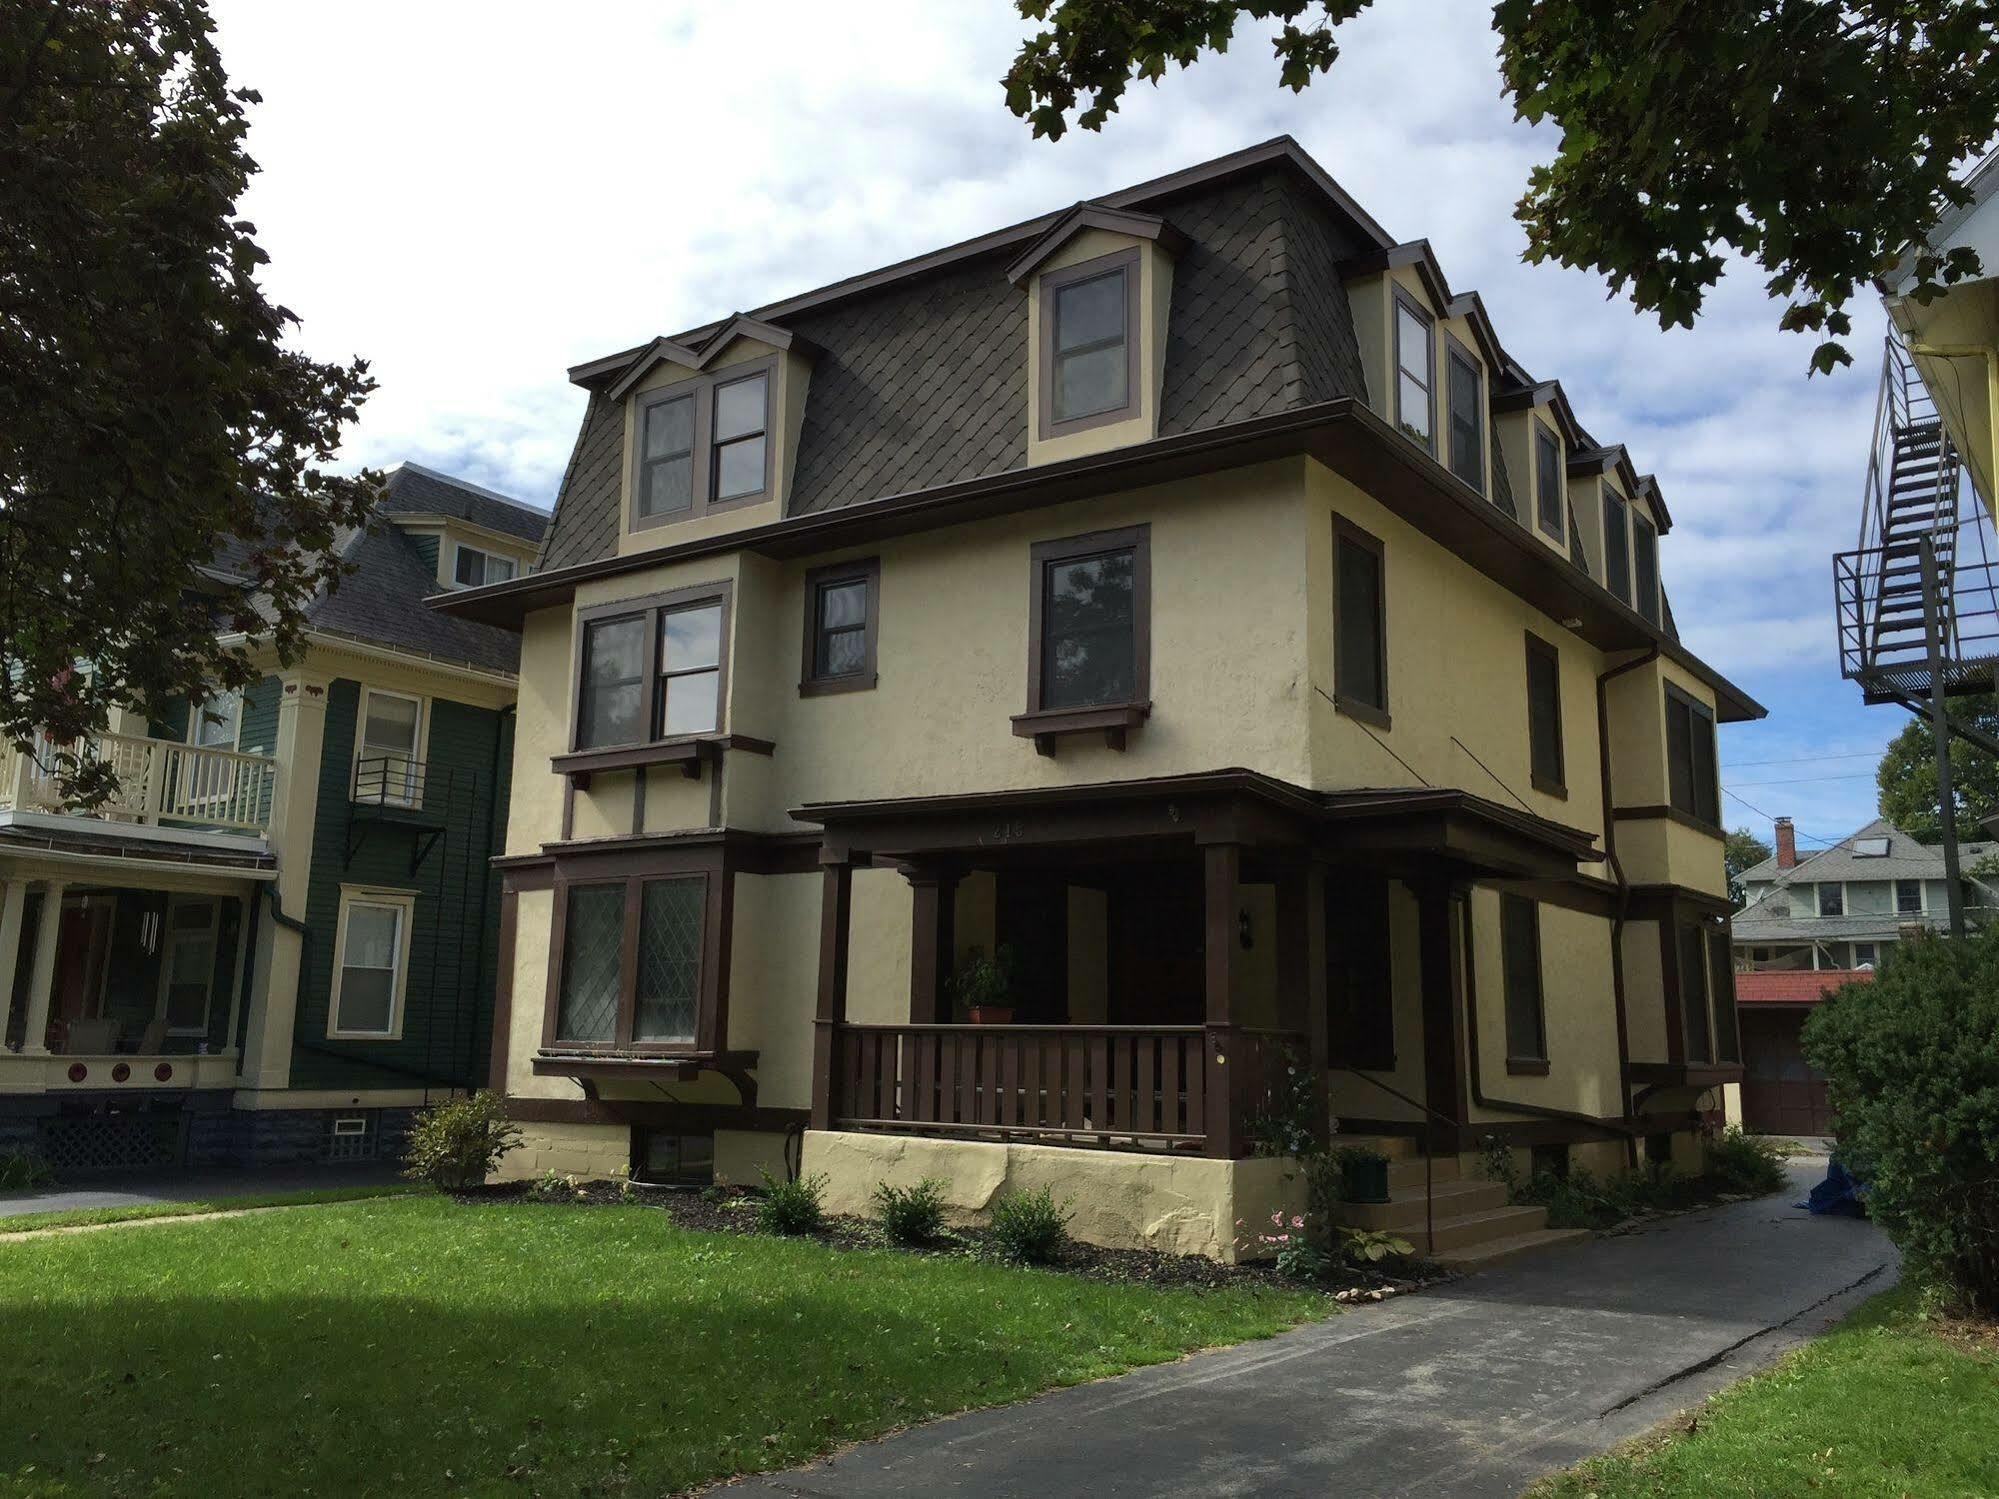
[{"x": 1781, "y": 1094}]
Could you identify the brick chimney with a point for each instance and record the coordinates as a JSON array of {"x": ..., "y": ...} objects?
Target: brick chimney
[{"x": 1787, "y": 843}]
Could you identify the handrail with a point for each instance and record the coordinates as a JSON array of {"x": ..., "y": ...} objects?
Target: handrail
[
  {"x": 1429, "y": 1196},
  {"x": 158, "y": 781}
]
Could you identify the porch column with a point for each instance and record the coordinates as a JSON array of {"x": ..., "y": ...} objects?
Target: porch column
[
  {"x": 267, "y": 1048},
  {"x": 934, "y": 901},
  {"x": 1222, "y": 881},
  {"x": 42, "y": 978},
  {"x": 1301, "y": 968},
  {"x": 836, "y": 903},
  {"x": 13, "y": 899},
  {"x": 1441, "y": 956}
]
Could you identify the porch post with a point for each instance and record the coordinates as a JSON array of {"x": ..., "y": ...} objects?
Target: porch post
[
  {"x": 933, "y": 911},
  {"x": 1222, "y": 879},
  {"x": 835, "y": 908},
  {"x": 42, "y": 978},
  {"x": 13, "y": 898},
  {"x": 1443, "y": 1009},
  {"x": 1301, "y": 968}
]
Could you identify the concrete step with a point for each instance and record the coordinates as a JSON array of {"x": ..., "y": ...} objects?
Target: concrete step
[
  {"x": 1395, "y": 1147},
  {"x": 1464, "y": 1230},
  {"x": 1497, "y": 1251},
  {"x": 1404, "y": 1174},
  {"x": 1404, "y": 1209}
]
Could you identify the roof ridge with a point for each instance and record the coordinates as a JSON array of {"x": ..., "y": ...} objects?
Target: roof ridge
[{"x": 467, "y": 484}]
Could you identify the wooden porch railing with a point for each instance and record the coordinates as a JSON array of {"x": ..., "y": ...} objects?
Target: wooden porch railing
[
  {"x": 159, "y": 781},
  {"x": 1116, "y": 1086}
]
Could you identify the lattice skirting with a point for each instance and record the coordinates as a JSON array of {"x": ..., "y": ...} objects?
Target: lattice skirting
[{"x": 83, "y": 1144}]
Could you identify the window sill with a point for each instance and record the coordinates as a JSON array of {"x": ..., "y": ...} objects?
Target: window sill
[
  {"x": 688, "y": 754},
  {"x": 1697, "y": 1075},
  {"x": 1527, "y": 1066},
  {"x": 828, "y": 686},
  {"x": 1367, "y": 713},
  {"x": 613, "y": 1065},
  {"x": 1114, "y": 722},
  {"x": 1549, "y": 788}
]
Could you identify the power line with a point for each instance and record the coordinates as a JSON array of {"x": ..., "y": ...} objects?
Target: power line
[
  {"x": 1865, "y": 775},
  {"x": 1808, "y": 837},
  {"x": 1808, "y": 759}
]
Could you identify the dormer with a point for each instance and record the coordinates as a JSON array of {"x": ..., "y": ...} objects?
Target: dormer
[
  {"x": 1602, "y": 484},
  {"x": 1099, "y": 286},
  {"x": 1649, "y": 521},
  {"x": 463, "y": 553},
  {"x": 1537, "y": 432},
  {"x": 1399, "y": 297},
  {"x": 710, "y": 431}
]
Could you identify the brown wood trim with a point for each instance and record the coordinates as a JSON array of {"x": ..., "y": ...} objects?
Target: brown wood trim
[
  {"x": 866, "y": 570},
  {"x": 1527, "y": 1066},
  {"x": 1347, "y": 533},
  {"x": 1539, "y": 649},
  {"x": 701, "y": 386},
  {"x": 835, "y": 912},
  {"x": 621, "y": 854},
  {"x": 1656, "y": 902},
  {"x": 1115, "y": 724},
  {"x": 1443, "y": 1005},
  {"x": 1652, "y": 812},
  {"x": 1049, "y": 283},
  {"x": 630, "y": 876},
  {"x": 1138, "y": 539},
  {"x": 694, "y": 1118},
  {"x": 1685, "y": 1074},
  {"x": 682, "y": 1066},
  {"x": 1399, "y": 300},
  {"x": 525, "y": 872},
  {"x": 650, "y": 607}
]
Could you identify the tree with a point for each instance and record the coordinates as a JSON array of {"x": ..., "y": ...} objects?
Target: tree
[
  {"x": 1908, "y": 774},
  {"x": 1817, "y": 140},
  {"x": 1741, "y": 850},
  {"x": 149, "y": 410}
]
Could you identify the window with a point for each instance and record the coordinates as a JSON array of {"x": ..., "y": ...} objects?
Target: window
[
  {"x": 651, "y": 670},
  {"x": 702, "y": 444},
  {"x": 214, "y": 724},
  {"x": 1690, "y": 765},
  {"x": 1090, "y": 624},
  {"x": 187, "y": 967},
  {"x": 1549, "y": 483},
  {"x": 1415, "y": 372},
  {"x": 674, "y": 1159},
  {"x": 1360, "y": 625},
  {"x": 1870, "y": 848},
  {"x": 1909, "y": 897},
  {"x": 1721, "y": 995},
  {"x": 1544, "y": 716},
  {"x": 472, "y": 568},
  {"x": 1467, "y": 431},
  {"x": 372, "y": 939},
  {"x": 1832, "y": 900},
  {"x": 1617, "y": 546},
  {"x": 841, "y": 605},
  {"x": 666, "y": 458},
  {"x": 1360, "y": 977},
  {"x": 1865, "y": 955},
  {"x": 1089, "y": 360},
  {"x": 1645, "y": 566},
  {"x": 742, "y": 414},
  {"x": 1693, "y": 994},
  {"x": 629, "y": 956},
  {"x": 1520, "y": 958},
  {"x": 388, "y": 760}
]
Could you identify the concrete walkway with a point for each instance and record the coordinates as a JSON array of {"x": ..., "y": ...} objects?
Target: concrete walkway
[
  {"x": 1472, "y": 1390},
  {"x": 144, "y": 1188}
]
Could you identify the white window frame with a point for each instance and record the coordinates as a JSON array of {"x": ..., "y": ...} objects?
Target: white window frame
[
  {"x": 403, "y": 902},
  {"x": 168, "y": 940},
  {"x": 450, "y": 578},
  {"x": 193, "y": 731},
  {"x": 414, "y": 799}
]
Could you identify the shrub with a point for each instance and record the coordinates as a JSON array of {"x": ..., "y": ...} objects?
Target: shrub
[
  {"x": 1370, "y": 1246},
  {"x": 1744, "y": 1163},
  {"x": 1913, "y": 1058},
  {"x": 460, "y": 1142},
  {"x": 20, "y": 1172},
  {"x": 1030, "y": 1226},
  {"x": 911, "y": 1215},
  {"x": 552, "y": 1186},
  {"x": 792, "y": 1207},
  {"x": 1298, "y": 1253}
]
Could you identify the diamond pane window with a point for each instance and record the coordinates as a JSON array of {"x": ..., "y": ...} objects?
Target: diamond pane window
[
  {"x": 592, "y": 937},
  {"x": 669, "y": 975}
]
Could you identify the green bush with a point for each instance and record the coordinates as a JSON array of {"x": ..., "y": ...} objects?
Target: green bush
[
  {"x": 910, "y": 1215},
  {"x": 21, "y": 1172},
  {"x": 1030, "y": 1226},
  {"x": 1913, "y": 1057},
  {"x": 1744, "y": 1163},
  {"x": 792, "y": 1207},
  {"x": 460, "y": 1142}
]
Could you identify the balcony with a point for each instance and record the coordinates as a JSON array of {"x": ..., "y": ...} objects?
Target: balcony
[{"x": 161, "y": 784}]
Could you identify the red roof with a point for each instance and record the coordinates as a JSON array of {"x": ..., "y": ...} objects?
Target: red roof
[{"x": 1793, "y": 986}]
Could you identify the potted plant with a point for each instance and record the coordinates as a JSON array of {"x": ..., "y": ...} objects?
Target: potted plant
[
  {"x": 983, "y": 987},
  {"x": 1363, "y": 1173}
]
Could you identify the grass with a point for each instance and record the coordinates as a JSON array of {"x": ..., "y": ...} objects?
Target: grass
[
  {"x": 419, "y": 1346},
  {"x": 22, "y": 1223},
  {"x": 1884, "y": 1405}
]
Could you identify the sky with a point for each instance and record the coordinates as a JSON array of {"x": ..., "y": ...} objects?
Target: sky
[{"x": 474, "y": 199}]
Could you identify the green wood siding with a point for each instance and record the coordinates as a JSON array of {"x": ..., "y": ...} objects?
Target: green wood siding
[
  {"x": 448, "y": 996},
  {"x": 426, "y": 548},
  {"x": 258, "y": 732}
]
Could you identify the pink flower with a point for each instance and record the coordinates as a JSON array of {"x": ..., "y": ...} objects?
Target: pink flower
[
  {"x": 1277, "y": 1218},
  {"x": 1297, "y": 1220}
]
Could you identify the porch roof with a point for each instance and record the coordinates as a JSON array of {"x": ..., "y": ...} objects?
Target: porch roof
[
  {"x": 1424, "y": 826},
  {"x": 60, "y": 840}
]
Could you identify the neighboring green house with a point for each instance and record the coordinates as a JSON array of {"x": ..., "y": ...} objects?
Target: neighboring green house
[{"x": 278, "y": 939}]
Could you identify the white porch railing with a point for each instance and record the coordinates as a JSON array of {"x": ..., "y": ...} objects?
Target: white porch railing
[{"x": 159, "y": 782}]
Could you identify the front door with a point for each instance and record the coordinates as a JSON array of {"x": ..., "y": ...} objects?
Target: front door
[{"x": 81, "y": 940}]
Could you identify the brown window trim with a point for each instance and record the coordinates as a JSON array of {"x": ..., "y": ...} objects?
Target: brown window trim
[
  {"x": 654, "y": 748},
  {"x": 1700, "y": 712},
  {"x": 1400, "y": 300},
  {"x": 1645, "y": 600},
  {"x": 702, "y": 388},
  {"x": 1044, "y": 375},
  {"x": 1540, "y": 982},
  {"x": 1560, "y": 530},
  {"x": 1615, "y": 504},
  {"x": 1113, "y": 720},
  {"x": 1376, "y": 714},
  {"x": 1456, "y": 351},
  {"x": 861, "y": 570},
  {"x": 1527, "y": 1066},
  {"x": 1558, "y": 787}
]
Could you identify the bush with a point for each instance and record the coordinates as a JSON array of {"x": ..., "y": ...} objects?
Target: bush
[
  {"x": 910, "y": 1215},
  {"x": 792, "y": 1207},
  {"x": 1744, "y": 1163},
  {"x": 1913, "y": 1057},
  {"x": 1030, "y": 1226},
  {"x": 460, "y": 1142},
  {"x": 23, "y": 1171}
]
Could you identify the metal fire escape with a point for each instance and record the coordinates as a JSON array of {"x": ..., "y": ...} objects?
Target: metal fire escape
[{"x": 1918, "y": 614}]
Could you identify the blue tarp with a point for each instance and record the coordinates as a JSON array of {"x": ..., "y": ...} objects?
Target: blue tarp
[{"x": 1839, "y": 1194}]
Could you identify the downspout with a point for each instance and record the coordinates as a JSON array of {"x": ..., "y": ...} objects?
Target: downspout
[{"x": 1623, "y": 890}]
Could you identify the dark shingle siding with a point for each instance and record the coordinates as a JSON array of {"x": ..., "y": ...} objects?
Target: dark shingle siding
[
  {"x": 382, "y": 601},
  {"x": 1328, "y": 350},
  {"x": 585, "y": 527}
]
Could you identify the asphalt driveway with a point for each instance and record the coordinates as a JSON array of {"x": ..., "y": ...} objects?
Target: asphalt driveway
[
  {"x": 1472, "y": 1390},
  {"x": 145, "y": 1188}
]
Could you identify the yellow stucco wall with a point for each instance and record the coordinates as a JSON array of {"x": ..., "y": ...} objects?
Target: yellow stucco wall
[{"x": 1578, "y": 1005}]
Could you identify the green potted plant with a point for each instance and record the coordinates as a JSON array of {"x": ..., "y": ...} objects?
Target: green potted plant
[
  {"x": 983, "y": 986},
  {"x": 1363, "y": 1173}
]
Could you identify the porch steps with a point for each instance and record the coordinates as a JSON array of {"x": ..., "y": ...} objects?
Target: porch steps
[
  {"x": 1403, "y": 1212},
  {"x": 1492, "y": 1252},
  {"x": 1472, "y": 1225}
]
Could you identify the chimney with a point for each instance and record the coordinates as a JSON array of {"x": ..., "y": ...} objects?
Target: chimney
[{"x": 1787, "y": 843}]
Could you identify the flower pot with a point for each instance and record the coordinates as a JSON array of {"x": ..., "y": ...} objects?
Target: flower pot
[
  {"x": 1364, "y": 1181},
  {"x": 990, "y": 1014}
]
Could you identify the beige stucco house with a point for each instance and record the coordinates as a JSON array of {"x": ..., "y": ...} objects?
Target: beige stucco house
[{"x": 1184, "y": 592}]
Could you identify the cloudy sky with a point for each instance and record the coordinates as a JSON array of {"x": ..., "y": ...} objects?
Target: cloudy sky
[{"x": 475, "y": 198}]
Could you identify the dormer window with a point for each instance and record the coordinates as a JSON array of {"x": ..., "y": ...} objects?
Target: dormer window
[
  {"x": 702, "y": 444},
  {"x": 666, "y": 460},
  {"x": 1617, "y": 546},
  {"x": 1089, "y": 373},
  {"x": 1549, "y": 499},
  {"x": 1645, "y": 566},
  {"x": 742, "y": 419},
  {"x": 1467, "y": 416},
  {"x": 472, "y": 568},
  {"x": 1415, "y": 372}
]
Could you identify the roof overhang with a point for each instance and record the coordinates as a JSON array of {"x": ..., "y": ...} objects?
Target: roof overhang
[
  {"x": 1416, "y": 256},
  {"x": 1145, "y": 226}
]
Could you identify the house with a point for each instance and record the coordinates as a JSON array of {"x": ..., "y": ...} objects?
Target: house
[
  {"x": 1184, "y": 594},
  {"x": 277, "y": 938}
]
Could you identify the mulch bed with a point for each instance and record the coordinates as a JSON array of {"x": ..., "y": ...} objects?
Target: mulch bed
[{"x": 735, "y": 1211}]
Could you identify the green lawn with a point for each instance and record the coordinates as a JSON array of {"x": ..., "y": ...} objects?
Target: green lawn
[
  {"x": 1880, "y": 1406},
  {"x": 417, "y": 1346},
  {"x": 22, "y": 1223}
]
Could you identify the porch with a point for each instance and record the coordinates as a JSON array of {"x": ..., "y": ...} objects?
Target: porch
[{"x": 162, "y": 785}]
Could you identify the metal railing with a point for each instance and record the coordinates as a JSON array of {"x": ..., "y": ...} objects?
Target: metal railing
[
  {"x": 1967, "y": 629},
  {"x": 159, "y": 782},
  {"x": 388, "y": 781}
]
